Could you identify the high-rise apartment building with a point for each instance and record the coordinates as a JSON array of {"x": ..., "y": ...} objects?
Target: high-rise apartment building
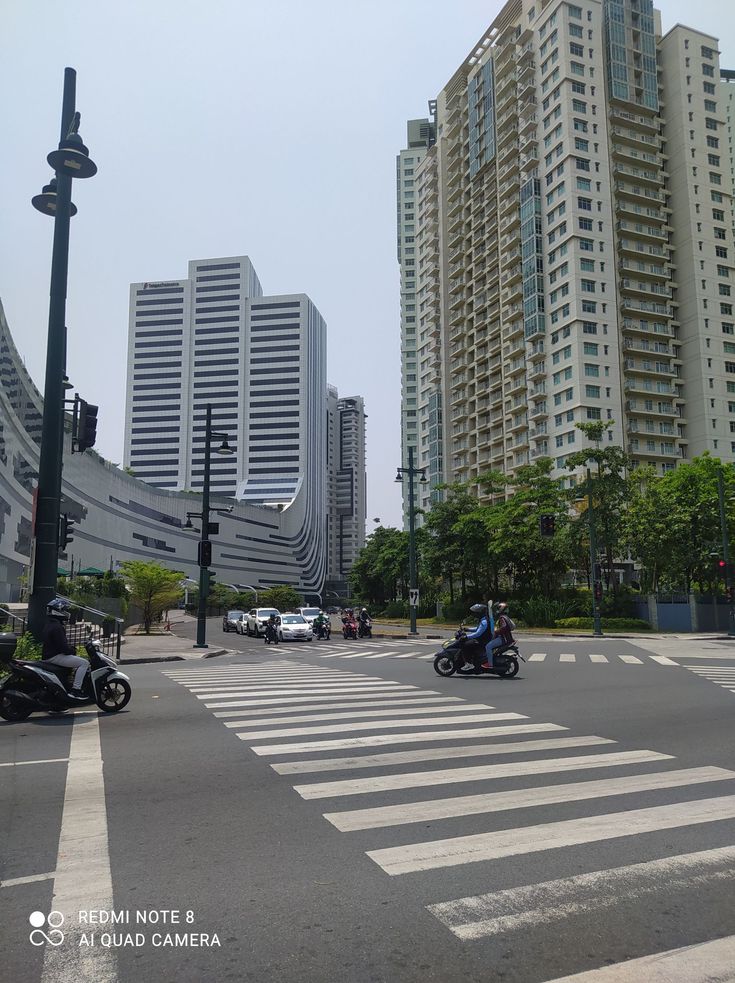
[
  {"x": 347, "y": 506},
  {"x": 419, "y": 137},
  {"x": 259, "y": 361},
  {"x": 574, "y": 246}
]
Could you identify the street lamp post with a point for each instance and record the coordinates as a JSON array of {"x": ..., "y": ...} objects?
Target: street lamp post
[
  {"x": 70, "y": 160},
  {"x": 205, "y": 551},
  {"x": 411, "y": 471},
  {"x": 597, "y": 626}
]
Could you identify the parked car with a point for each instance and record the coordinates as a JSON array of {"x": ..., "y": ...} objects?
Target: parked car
[
  {"x": 308, "y": 614},
  {"x": 231, "y": 619},
  {"x": 294, "y": 626},
  {"x": 256, "y": 618}
]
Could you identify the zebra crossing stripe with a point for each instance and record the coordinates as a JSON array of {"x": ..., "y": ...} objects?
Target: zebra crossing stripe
[
  {"x": 452, "y": 776},
  {"x": 536, "y": 904},
  {"x": 537, "y": 657},
  {"x": 595, "y": 657},
  {"x": 567, "y": 657},
  {"x": 434, "y": 754},
  {"x": 514, "y": 842},
  {"x": 664, "y": 660},
  {"x": 470, "y": 718},
  {"x": 406, "y": 655},
  {"x": 418, "y": 703},
  {"x": 707, "y": 962},
  {"x": 353, "y": 715},
  {"x": 304, "y": 691},
  {"x": 631, "y": 659},
  {"x": 305, "y": 683},
  {"x": 295, "y": 702},
  {"x": 375, "y": 740},
  {"x": 473, "y": 805}
]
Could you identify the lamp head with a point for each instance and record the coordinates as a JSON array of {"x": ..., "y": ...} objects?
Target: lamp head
[
  {"x": 72, "y": 158},
  {"x": 46, "y": 201},
  {"x": 424, "y": 479},
  {"x": 225, "y": 448},
  {"x": 188, "y": 524},
  {"x": 399, "y": 476}
]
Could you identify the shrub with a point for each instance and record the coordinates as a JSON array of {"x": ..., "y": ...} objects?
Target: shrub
[
  {"x": 611, "y": 624},
  {"x": 544, "y": 612},
  {"x": 396, "y": 609},
  {"x": 28, "y": 648}
]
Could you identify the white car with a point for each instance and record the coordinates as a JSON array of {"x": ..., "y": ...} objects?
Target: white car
[
  {"x": 255, "y": 619},
  {"x": 308, "y": 614},
  {"x": 294, "y": 627}
]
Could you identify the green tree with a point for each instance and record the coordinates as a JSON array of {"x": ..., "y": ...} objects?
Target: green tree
[
  {"x": 445, "y": 539},
  {"x": 153, "y": 587},
  {"x": 380, "y": 572},
  {"x": 282, "y": 597}
]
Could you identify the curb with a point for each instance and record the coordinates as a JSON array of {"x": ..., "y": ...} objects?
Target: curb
[{"x": 175, "y": 658}]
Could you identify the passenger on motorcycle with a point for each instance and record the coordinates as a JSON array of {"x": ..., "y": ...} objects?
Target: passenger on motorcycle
[
  {"x": 502, "y": 634},
  {"x": 58, "y": 649},
  {"x": 321, "y": 622}
]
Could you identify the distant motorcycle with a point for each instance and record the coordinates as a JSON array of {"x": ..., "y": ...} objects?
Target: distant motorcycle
[
  {"x": 451, "y": 659},
  {"x": 349, "y": 628},
  {"x": 365, "y": 629},
  {"x": 323, "y": 631},
  {"x": 271, "y": 633},
  {"x": 43, "y": 686}
]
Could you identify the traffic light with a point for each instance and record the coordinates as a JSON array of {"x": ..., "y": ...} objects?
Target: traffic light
[
  {"x": 720, "y": 567},
  {"x": 598, "y": 572},
  {"x": 211, "y": 575},
  {"x": 204, "y": 553},
  {"x": 66, "y": 530},
  {"x": 86, "y": 425},
  {"x": 598, "y": 590},
  {"x": 547, "y": 524}
]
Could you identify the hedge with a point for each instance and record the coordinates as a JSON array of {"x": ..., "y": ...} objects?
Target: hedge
[{"x": 612, "y": 624}]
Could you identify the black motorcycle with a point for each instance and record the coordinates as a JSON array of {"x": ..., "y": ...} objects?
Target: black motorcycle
[
  {"x": 271, "y": 633},
  {"x": 323, "y": 630},
  {"x": 452, "y": 659},
  {"x": 34, "y": 686},
  {"x": 365, "y": 629}
]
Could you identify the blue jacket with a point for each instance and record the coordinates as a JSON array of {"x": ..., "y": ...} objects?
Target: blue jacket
[{"x": 484, "y": 631}]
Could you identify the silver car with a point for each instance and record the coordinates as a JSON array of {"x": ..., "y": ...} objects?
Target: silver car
[
  {"x": 294, "y": 627},
  {"x": 231, "y": 620}
]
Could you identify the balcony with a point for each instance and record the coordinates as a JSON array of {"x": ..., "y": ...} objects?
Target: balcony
[{"x": 645, "y": 307}]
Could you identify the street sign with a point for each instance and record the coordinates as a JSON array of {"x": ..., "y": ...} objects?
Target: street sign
[{"x": 413, "y": 597}]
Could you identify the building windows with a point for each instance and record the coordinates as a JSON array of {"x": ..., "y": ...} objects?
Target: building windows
[{"x": 592, "y": 392}]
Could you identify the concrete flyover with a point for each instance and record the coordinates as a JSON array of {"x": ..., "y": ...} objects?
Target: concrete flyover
[{"x": 119, "y": 518}]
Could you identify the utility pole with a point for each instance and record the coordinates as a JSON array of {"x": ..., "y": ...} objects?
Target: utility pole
[{"x": 596, "y": 583}]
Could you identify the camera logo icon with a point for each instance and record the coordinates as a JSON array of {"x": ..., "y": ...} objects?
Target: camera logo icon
[{"x": 54, "y": 920}]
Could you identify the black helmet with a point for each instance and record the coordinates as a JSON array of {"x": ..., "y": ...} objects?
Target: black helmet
[
  {"x": 59, "y": 608},
  {"x": 479, "y": 610}
]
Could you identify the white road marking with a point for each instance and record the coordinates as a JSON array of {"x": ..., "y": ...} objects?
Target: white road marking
[
  {"x": 631, "y": 659},
  {"x": 323, "y": 694},
  {"x": 40, "y": 761},
  {"x": 83, "y": 879},
  {"x": 664, "y": 660},
  {"x": 567, "y": 657},
  {"x": 473, "y": 805},
  {"x": 434, "y": 754},
  {"x": 596, "y": 657},
  {"x": 424, "y": 657},
  {"x": 496, "y": 844},
  {"x": 379, "y": 655},
  {"x": 306, "y": 690},
  {"x": 30, "y": 879},
  {"x": 406, "y": 655},
  {"x": 356, "y": 715},
  {"x": 452, "y": 776},
  {"x": 537, "y": 904},
  {"x": 293, "y": 702},
  {"x": 356, "y": 655},
  {"x": 470, "y": 718},
  {"x": 706, "y": 962},
  {"x": 375, "y": 740},
  {"x": 537, "y": 657},
  {"x": 247, "y": 685},
  {"x": 414, "y": 701}
]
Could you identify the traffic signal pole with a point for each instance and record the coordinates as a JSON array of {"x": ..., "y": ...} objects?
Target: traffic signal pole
[
  {"x": 597, "y": 626},
  {"x": 726, "y": 553},
  {"x": 201, "y": 642}
]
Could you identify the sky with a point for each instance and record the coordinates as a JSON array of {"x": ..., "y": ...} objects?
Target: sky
[{"x": 266, "y": 128}]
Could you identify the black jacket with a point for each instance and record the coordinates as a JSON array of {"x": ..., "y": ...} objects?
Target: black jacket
[{"x": 55, "y": 641}]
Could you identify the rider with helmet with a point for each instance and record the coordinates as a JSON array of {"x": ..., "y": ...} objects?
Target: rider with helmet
[
  {"x": 491, "y": 633},
  {"x": 58, "y": 649}
]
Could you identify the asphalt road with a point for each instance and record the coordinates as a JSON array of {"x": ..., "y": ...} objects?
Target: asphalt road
[{"x": 335, "y": 812}]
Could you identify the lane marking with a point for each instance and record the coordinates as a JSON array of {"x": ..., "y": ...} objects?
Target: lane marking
[
  {"x": 473, "y": 805},
  {"x": 375, "y": 740},
  {"x": 536, "y": 904},
  {"x": 355, "y": 715},
  {"x": 301, "y": 691},
  {"x": 414, "y": 701},
  {"x": 664, "y": 660},
  {"x": 567, "y": 657},
  {"x": 632, "y": 660},
  {"x": 453, "y": 776},
  {"x": 470, "y": 718},
  {"x": 39, "y": 761},
  {"x": 707, "y": 962},
  {"x": 83, "y": 879},
  {"x": 497, "y": 844},
  {"x": 293, "y": 702},
  {"x": 537, "y": 657},
  {"x": 596, "y": 657},
  {"x": 30, "y": 879},
  {"x": 434, "y": 754}
]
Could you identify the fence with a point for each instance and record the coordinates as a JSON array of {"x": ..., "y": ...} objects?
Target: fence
[
  {"x": 97, "y": 625},
  {"x": 684, "y": 612}
]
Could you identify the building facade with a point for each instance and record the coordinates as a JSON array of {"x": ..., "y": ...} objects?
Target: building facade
[
  {"x": 563, "y": 271},
  {"x": 347, "y": 511},
  {"x": 118, "y": 517}
]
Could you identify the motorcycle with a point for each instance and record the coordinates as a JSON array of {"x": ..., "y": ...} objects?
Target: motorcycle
[
  {"x": 349, "y": 629},
  {"x": 34, "y": 686},
  {"x": 323, "y": 631},
  {"x": 452, "y": 658},
  {"x": 365, "y": 629},
  {"x": 271, "y": 633}
]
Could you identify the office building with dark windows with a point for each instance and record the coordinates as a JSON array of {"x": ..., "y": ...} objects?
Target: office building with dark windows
[{"x": 346, "y": 487}]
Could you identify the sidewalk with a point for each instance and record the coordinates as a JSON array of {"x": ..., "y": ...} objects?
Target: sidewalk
[{"x": 165, "y": 646}]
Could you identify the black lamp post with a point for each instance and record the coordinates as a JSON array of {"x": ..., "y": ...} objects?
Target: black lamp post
[
  {"x": 596, "y": 622},
  {"x": 70, "y": 160},
  {"x": 205, "y": 549},
  {"x": 411, "y": 471}
]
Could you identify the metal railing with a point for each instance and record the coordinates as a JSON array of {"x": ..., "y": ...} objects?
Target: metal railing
[{"x": 98, "y": 625}]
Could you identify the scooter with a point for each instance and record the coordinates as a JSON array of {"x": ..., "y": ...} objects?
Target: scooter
[
  {"x": 349, "y": 629},
  {"x": 271, "y": 633},
  {"x": 323, "y": 631},
  {"x": 451, "y": 659},
  {"x": 43, "y": 686},
  {"x": 365, "y": 629}
]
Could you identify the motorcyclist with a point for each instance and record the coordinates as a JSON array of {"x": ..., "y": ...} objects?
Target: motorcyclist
[
  {"x": 57, "y": 647},
  {"x": 364, "y": 616},
  {"x": 365, "y": 623},
  {"x": 321, "y": 622},
  {"x": 482, "y": 635},
  {"x": 271, "y": 628},
  {"x": 502, "y": 634}
]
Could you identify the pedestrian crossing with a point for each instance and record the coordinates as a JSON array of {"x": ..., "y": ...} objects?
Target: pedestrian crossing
[
  {"x": 722, "y": 675},
  {"x": 381, "y": 760},
  {"x": 337, "y": 652}
]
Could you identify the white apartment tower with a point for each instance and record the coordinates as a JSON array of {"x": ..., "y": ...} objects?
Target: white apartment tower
[
  {"x": 419, "y": 137},
  {"x": 259, "y": 361},
  {"x": 347, "y": 509},
  {"x": 574, "y": 244}
]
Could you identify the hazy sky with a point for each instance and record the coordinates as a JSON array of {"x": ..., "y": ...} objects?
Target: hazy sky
[{"x": 266, "y": 128}]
